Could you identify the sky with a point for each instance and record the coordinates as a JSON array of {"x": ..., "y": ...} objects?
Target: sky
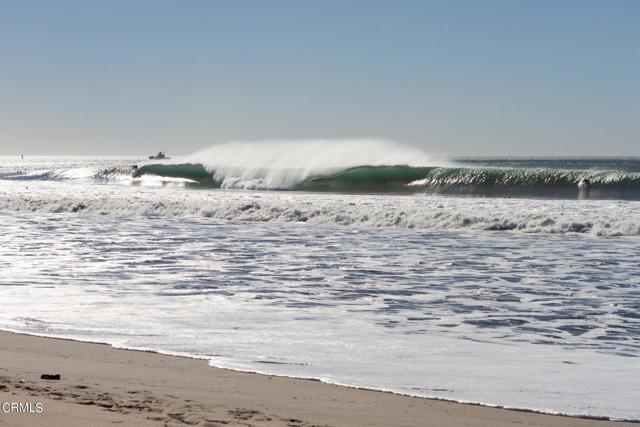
[{"x": 493, "y": 77}]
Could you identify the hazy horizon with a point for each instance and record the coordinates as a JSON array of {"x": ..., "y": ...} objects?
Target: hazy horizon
[
  {"x": 433, "y": 155},
  {"x": 495, "y": 78}
]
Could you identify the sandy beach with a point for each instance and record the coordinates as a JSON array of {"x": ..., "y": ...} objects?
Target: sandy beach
[{"x": 103, "y": 386}]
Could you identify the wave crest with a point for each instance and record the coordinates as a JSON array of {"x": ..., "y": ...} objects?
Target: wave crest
[{"x": 285, "y": 164}]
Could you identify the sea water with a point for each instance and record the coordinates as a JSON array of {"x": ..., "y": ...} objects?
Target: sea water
[{"x": 519, "y": 302}]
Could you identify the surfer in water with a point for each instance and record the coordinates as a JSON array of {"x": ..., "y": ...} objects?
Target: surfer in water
[
  {"x": 584, "y": 183},
  {"x": 584, "y": 188}
]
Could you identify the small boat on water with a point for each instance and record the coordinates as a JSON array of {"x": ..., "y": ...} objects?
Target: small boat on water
[{"x": 159, "y": 156}]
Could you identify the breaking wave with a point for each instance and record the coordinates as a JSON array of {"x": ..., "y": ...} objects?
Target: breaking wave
[
  {"x": 361, "y": 166},
  {"x": 408, "y": 179},
  {"x": 375, "y": 166}
]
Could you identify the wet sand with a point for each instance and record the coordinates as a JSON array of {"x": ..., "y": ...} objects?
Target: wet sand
[{"x": 103, "y": 386}]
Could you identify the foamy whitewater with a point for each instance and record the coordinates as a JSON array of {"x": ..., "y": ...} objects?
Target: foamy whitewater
[{"x": 509, "y": 282}]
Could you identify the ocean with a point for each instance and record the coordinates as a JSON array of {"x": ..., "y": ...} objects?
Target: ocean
[{"x": 512, "y": 282}]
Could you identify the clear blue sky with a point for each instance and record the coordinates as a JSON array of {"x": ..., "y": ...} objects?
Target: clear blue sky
[{"x": 458, "y": 77}]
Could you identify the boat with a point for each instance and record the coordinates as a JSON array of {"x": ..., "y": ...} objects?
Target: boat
[{"x": 159, "y": 156}]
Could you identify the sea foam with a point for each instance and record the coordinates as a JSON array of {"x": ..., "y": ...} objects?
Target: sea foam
[{"x": 591, "y": 217}]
